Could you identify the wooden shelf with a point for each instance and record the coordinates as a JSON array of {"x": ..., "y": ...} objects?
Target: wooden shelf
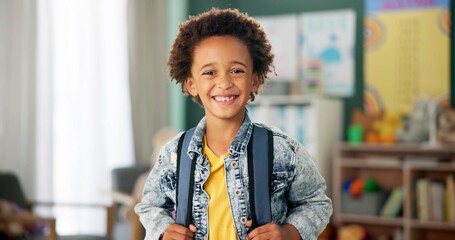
[
  {"x": 437, "y": 225},
  {"x": 373, "y": 220},
  {"x": 440, "y": 167},
  {"x": 397, "y": 165},
  {"x": 349, "y": 163},
  {"x": 399, "y": 149}
]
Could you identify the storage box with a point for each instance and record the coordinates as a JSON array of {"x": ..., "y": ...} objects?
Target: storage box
[
  {"x": 369, "y": 203},
  {"x": 277, "y": 88}
]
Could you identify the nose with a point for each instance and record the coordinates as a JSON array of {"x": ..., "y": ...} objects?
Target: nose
[{"x": 224, "y": 82}]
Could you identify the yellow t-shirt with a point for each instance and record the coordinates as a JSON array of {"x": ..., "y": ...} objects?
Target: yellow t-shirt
[{"x": 221, "y": 224}]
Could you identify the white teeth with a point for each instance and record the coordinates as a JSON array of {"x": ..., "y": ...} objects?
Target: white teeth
[{"x": 224, "y": 99}]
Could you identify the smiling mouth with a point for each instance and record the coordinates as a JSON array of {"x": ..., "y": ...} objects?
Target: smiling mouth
[{"x": 224, "y": 98}]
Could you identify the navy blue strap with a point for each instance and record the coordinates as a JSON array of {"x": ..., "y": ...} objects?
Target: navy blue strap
[
  {"x": 185, "y": 171},
  {"x": 260, "y": 160},
  {"x": 260, "y": 163}
]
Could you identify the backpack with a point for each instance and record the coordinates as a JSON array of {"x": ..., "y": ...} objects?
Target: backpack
[{"x": 260, "y": 174}]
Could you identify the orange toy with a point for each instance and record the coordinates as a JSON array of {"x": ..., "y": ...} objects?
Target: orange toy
[
  {"x": 366, "y": 120},
  {"x": 356, "y": 187},
  {"x": 387, "y": 127},
  {"x": 352, "y": 232}
]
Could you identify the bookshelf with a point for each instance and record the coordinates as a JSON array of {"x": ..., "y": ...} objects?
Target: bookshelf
[
  {"x": 315, "y": 122},
  {"x": 392, "y": 166}
]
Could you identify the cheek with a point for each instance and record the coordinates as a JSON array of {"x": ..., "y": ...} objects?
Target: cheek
[{"x": 248, "y": 84}]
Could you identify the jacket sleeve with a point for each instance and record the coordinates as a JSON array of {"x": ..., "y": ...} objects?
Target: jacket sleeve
[
  {"x": 311, "y": 207},
  {"x": 155, "y": 208}
]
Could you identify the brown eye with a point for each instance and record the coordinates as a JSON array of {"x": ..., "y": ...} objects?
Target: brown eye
[{"x": 237, "y": 71}]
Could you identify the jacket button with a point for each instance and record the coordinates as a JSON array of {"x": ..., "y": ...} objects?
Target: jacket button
[
  {"x": 237, "y": 192},
  {"x": 234, "y": 164},
  {"x": 243, "y": 220}
]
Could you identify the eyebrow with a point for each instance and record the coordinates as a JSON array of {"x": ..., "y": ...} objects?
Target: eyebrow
[{"x": 232, "y": 62}]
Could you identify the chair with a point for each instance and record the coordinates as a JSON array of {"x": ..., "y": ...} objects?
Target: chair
[
  {"x": 124, "y": 180},
  {"x": 11, "y": 190}
]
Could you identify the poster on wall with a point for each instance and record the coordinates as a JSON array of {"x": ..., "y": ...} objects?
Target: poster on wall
[
  {"x": 406, "y": 56},
  {"x": 281, "y": 31},
  {"x": 326, "y": 55}
]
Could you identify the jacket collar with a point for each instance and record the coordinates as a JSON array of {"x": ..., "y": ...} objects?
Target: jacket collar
[{"x": 238, "y": 146}]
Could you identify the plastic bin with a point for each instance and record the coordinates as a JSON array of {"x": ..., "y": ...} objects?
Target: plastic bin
[{"x": 369, "y": 203}]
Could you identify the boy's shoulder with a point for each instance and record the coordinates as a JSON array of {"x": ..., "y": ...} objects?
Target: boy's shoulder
[
  {"x": 168, "y": 151},
  {"x": 278, "y": 134},
  {"x": 173, "y": 142}
]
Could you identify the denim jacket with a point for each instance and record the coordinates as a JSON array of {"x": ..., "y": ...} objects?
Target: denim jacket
[{"x": 297, "y": 196}]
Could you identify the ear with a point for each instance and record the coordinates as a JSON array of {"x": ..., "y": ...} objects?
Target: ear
[
  {"x": 255, "y": 79},
  {"x": 190, "y": 86}
]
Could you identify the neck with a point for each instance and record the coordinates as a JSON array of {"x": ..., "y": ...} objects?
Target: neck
[{"x": 220, "y": 134}]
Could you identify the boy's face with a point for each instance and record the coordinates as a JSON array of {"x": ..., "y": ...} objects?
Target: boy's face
[{"x": 222, "y": 75}]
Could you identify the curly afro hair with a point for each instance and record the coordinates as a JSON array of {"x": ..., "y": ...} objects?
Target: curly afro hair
[{"x": 219, "y": 22}]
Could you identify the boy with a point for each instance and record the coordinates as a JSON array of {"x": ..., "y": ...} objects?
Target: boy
[{"x": 221, "y": 58}]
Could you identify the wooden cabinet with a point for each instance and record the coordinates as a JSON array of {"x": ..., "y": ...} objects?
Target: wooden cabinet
[{"x": 394, "y": 166}]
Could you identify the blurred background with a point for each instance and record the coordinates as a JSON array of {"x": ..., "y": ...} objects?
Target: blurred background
[{"x": 84, "y": 86}]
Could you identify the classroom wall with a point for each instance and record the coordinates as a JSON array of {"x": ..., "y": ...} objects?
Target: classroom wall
[{"x": 273, "y": 7}]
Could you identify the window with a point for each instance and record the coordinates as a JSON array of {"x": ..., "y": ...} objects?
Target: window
[{"x": 83, "y": 105}]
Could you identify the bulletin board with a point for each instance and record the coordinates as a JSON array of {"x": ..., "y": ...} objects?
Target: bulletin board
[{"x": 407, "y": 53}]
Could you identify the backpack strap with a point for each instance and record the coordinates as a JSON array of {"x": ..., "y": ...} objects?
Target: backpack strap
[
  {"x": 260, "y": 165},
  {"x": 260, "y": 147},
  {"x": 185, "y": 171}
]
